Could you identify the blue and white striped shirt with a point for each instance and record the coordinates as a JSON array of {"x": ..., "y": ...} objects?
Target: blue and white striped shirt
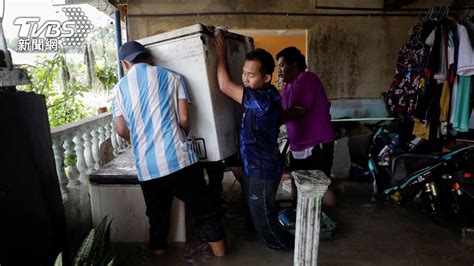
[{"x": 147, "y": 97}]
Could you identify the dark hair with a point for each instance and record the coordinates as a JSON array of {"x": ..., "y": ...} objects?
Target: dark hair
[
  {"x": 291, "y": 55},
  {"x": 142, "y": 58},
  {"x": 267, "y": 64}
]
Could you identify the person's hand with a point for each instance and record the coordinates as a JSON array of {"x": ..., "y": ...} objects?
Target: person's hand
[{"x": 220, "y": 43}]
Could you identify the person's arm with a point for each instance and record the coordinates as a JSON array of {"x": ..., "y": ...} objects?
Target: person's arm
[
  {"x": 226, "y": 85},
  {"x": 292, "y": 113},
  {"x": 120, "y": 125},
  {"x": 184, "y": 120},
  {"x": 121, "y": 128}
]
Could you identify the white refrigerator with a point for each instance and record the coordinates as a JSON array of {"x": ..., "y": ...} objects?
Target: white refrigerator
[{"x": 215, "y": 118}]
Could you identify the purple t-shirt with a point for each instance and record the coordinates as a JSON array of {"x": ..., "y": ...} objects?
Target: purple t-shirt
[{"x": 314, "y": 127}]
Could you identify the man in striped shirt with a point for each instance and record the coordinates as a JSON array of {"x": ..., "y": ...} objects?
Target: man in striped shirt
[{"x": 150, "y": 108}]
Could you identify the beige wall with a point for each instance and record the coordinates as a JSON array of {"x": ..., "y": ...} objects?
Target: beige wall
[{"x": 354, "y": 56}]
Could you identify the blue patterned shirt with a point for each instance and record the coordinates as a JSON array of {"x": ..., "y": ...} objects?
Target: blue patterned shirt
[{"x": 259, "y": 133}]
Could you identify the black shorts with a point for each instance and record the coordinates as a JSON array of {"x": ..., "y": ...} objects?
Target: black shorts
[
  {"x": 189, "y": 185},
  {"x": 234, "y": 160},
  {"x": 320, "y": 159}
]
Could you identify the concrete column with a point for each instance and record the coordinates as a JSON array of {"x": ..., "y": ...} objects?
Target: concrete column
[{"x": 311, "y": 185}]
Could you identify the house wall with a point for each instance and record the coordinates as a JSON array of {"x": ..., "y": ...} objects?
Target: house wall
[{"x": 354, "y": 56}]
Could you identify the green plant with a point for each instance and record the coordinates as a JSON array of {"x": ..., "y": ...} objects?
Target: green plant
[
  {"x": 101, "y": 42},
  {"x": 107, "y": 77},
  {"x": 70, "y": 160},
  {"x": 95, "y": 249},
  {"x": 63, "y": 96},
  {"x": 59, "y": 260},
  {"x": 66, "y": 106}
]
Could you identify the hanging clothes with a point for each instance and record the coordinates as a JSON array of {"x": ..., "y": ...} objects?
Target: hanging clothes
[
  {"x": 451, "y": 55},
  {"x": 444, "y": 108},
  {"x": 402, "y": 96},
  {"x": 462, "y": 111},
  {"x": 454, "y": 97},
  {"x": 469, "y": 28},
  {"x": 442, "y": 70},
  {"x": 426, "y": 109},
  {"x": 460, "y": 106},
  {"x": 420, "y": 129},
  {"x": 444, "y": 103},
  {"x": 465, "y": 61},
  {"x": 433, "y": 85}
]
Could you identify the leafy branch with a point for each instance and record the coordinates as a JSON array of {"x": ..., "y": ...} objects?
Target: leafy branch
[{"x": 52, "y": 79}]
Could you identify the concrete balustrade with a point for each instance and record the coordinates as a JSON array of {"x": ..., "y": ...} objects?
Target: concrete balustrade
[{"x": 76, "y": 148}]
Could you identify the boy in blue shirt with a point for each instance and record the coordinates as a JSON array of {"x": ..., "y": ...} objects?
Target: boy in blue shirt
[{"x": 261, "y": 162}]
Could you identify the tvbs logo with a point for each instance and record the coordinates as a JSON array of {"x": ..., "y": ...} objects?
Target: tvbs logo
[{"x": 35, "y": 35}]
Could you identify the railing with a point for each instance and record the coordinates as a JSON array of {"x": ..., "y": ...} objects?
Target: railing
[{"x": 77, "y": 149}]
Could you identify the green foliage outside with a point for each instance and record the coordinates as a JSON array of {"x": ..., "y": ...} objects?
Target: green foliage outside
[
  {"x": 70, "y": 160},
  {"x": 66, "y": 83},
  {"x": 63, "y": 102},
  {"x": 105, "y": 52},
  {"x": 107, "y": 77}
]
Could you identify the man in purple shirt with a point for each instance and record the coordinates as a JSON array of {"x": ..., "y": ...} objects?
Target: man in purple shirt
[{"x": 306, "y": 116}]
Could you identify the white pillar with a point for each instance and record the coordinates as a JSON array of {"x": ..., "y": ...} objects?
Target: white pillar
[
  {"x": 88, "y": 156},
  {"x": 80, "y": 160},
  {"x": 70, "y": 167},
  {"x": 311, "y": 185},
  {"x": 101, "y": 131},
  {"x": 95, "y": 148},
  {"x": 119, "y": 143},
  {"x": 113, "y": 139},
  {"x": 108, "y": 130}
]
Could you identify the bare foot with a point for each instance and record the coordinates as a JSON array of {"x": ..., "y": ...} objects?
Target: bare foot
[
  {"x": 218, "y": 248},
  {"x": 329, "y": 199},
  {"x": 158, "y": 252}
]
